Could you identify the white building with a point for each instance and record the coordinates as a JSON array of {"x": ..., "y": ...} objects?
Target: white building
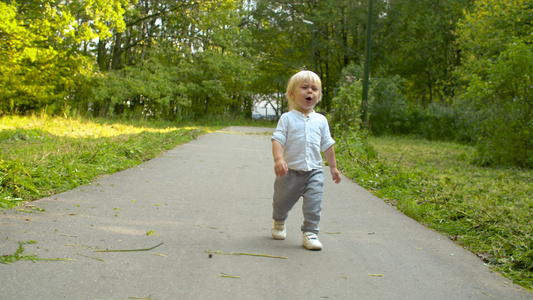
[{"x": 265, "y": 107}]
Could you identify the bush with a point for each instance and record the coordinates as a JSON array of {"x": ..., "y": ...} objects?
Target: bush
[
  {"x": 439, "y": 122},
  {"x": 345, "y": 116},
  {"x": 497, "y": 63},
  {"x": 498, "y": 109},
  {"x": 345, "y": 113},
  {"x": 388, "y": 108}
]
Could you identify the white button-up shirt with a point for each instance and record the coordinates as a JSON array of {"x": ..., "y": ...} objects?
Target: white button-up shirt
[{"x": 303, "y": 138}]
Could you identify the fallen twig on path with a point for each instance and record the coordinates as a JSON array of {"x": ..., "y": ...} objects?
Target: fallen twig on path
[
  {"x": 130, "y": 250},
  {"x": 248, "y": 254},
  {"x": 227, "y": 276},
  {"x": 95, "y": 258}
]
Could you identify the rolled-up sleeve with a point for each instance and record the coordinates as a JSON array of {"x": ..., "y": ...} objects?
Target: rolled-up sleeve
[
  {"x": 280, "y": 134},
  {"x": 327, "y": 141}
]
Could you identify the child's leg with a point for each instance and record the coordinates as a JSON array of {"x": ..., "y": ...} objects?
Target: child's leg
[
  {"x": 287, "y": 191},
  {"x": 312, "y": 201}
]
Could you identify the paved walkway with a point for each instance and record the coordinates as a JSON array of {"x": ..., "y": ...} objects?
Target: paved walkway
[{"x": 214, "y": 194}]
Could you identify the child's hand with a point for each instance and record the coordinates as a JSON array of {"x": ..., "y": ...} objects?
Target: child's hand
[
  {"x": 280, "y": 168},
  {"x": 336, "y": 175},
  {"x": 330, "y": 157}
]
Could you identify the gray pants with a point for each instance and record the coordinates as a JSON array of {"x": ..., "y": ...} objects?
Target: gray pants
[{"x": 288, "y": 190}]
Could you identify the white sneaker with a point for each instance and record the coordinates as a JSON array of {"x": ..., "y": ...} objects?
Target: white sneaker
[
  {"x": 311, "y": 242},
  {"x": 278, "y": 230}
]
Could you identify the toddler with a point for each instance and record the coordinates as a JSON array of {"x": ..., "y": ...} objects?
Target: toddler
[{"x": 300, "y": 136}]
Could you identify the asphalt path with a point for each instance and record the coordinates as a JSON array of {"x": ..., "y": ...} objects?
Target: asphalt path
[{"x": 206, "y": 208}]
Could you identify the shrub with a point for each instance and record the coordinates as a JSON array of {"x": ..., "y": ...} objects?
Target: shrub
[
  {"x": 439, "y": 122},
  {"x": 389, "y": 110},
  {"x": 499, "y": 110}
]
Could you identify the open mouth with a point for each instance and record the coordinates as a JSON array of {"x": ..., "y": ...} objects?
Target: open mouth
[{"x": 308, "y": 98}]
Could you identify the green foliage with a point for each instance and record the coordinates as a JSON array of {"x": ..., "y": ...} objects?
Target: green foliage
[
  {"x": 438, "y": 122},
  {"x": 284, "y": 43},
  {"x": 388, "y": 108},
  {"x": 505, "y": 118},
  {"x": 167, "y": 86},
  {"x": 345, "y": 116},
  {"x": 415, "y": 40},
  {"x": 42, "y": 65},
  {"x": 346, "y": 108},
  {"x": 197, "y": 64},
  {"x": 498, "y": 62},
  {"x": 147, "y": 89},
  {"x": 19, "y": 254},
  {"x": 486, "y": 210}
]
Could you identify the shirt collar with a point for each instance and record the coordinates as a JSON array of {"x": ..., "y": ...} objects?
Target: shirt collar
[{"x": 301, "y": 114}]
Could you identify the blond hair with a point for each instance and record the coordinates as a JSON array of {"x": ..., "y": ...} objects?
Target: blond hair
[{"x": 297, "y": 79}]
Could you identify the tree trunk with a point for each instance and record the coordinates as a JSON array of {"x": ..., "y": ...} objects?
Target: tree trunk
[
  {"x": 101, "y": 56},
  {"x": 117, "y": 52},
  {"x": 206, "y": 105}
]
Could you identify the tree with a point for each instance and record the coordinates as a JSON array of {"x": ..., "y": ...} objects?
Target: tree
[
  {"x": 495, "y": 39},
  {"x": 43, "y": 62},
  {"x": 285, "y": 44},
  {"x": 181, "y": 60},
  {"x": 415, "y": 40}
]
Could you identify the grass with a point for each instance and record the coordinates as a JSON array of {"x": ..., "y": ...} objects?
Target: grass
[
  {"x": 41, "y": 156},
  {"x": 19, "y": 255},
  {"x": 486, "y": 210}
]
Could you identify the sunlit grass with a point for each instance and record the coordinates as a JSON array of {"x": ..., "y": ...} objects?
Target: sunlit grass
[
  {"x": 80, "y": 128},
  {"x": 42, "y": 155}
]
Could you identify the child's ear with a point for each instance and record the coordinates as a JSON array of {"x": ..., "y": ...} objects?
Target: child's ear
[{"x": 291, "y": 94}]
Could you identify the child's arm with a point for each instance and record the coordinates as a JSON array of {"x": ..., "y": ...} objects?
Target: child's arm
[
  {"x": 332, "y": 162},
  {"x": 280, "y": 166}
]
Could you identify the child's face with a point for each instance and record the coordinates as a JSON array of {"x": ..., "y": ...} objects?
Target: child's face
[{"x": 306, "y": 96}]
